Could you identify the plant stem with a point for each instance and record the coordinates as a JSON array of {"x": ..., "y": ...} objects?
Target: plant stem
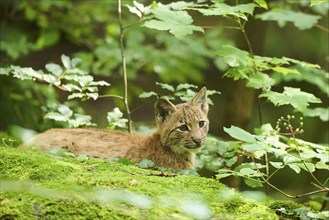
[
  {"x": 302, "y": 159},
  {"x": 134, "y": 24},
  {"x": 259, "y": 106},
  {"x": 322, "y": 28},
  {"x": 111, "y": 96},
  {"x": 124, "y": 69},
  {"x": 242, "y": 28},
  {"x": 247, "y": 40},
  {"x": 282, "y": 192}
]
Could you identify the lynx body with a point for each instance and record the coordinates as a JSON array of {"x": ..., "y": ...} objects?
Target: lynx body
[{"x": 181, "y": 131}]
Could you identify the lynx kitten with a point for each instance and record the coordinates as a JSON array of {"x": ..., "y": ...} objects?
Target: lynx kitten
[{"x": 181, "y": 131}]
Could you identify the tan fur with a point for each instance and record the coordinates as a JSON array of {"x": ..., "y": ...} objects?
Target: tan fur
[{"x": 170, "y": 146}]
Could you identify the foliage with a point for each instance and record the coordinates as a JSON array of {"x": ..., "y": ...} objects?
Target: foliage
[
  {"x": 291, "y": 96},
  {"x": 63, "y": 113},
  {"x": 301, "y": 20},
  {"x": 283, "y": 152},
  {"x": 177, "y": 22},
  {"x": 69, "y": 78},
  {"x": 217, "y": 154},
  {"x": 172, "y": 49},
  {"x": 115, "y": 119},
  {"x": 288, "y": 210},
  {"x": 183, "y": 91}
]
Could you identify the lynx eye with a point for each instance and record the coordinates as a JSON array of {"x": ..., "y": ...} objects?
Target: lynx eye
[
  {"x": 202, "y": 124},
  {"x": 183, "y": 128}
]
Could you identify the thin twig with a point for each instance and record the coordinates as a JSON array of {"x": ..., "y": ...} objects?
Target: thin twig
[
  {"x": 134, "y": 24},
  {"x": 124, "y": 69},
  {"x": 111, "y": 96},
  {"x": 322, "y": 28},
  {"x": 140, "y": 106},
  {"x": 224, "y": 27}
]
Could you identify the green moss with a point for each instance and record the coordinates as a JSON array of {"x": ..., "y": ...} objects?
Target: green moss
[{"x": 36, "y": 185}]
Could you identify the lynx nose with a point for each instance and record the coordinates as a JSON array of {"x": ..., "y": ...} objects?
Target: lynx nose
[{"x": 197, "y": 141}]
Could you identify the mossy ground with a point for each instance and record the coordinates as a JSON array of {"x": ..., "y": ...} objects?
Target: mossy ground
[{"x": 41, "y": 186}]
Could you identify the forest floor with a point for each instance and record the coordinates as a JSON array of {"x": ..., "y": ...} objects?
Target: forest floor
[{"x": 43, "y": 186}]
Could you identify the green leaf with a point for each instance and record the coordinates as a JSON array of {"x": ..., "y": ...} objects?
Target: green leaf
[
  {"x": 277, "y": 165},
  {"x": 166, "y": 86},
  {"x": 260, "y": 81},
  {"x": 233, "y": 56},
  {"x": 291, "y": 96},
  {"x": 185, "y": 86},
  {"x": 93, "y": 89},
  {"x": 147, "y": 94},
  {"x": 115, "y": 118},
  {"x": 230, "y": 162},
  {"x": 222, "y": 174},
  {"x": 135, "y": 10},
  {"x": 26, "y": 73},
  {"x": 222, "y": 9},
  {"x": 71, "y": 87},
  {"x": 64, "y": 110},
  {"x": 290, "y": 159},
  {"x": 99, "y": 83},
  {"x": 85, "y": 80},
  {"x": 240, "y": 134},
  {"x": 48, "y": 37},
  {"x": 322, "y": 113},
  {"x": 294, "y": 167},
  {"x": 278, "y": 152},
  {"x": 308, "y": 73},
  {"x": 178, "y": 23},
  {"x": 301, "y": 63},
  {"x": 254, "y": 183},
  {"x": 5, "y": 71},
  {"x": 76, "y": 95},
  {"x": 188, "y": 172},
  {"x": 81, "y": 120},
  {"x": 66, "y": 61},
  {"x": 238, "y": 73},
  {"x": 75, "y": 61},
  {"x": 317, "y": 2},
  {"x": 310, "y": 166},
  {"x": 145, "y": 164},
  {"x": 56, "y": 116},
  {"x": 54, "y": 69},
  {"x": 301, "y": 20},
  {"x": 262, "y": 3},
  {"x": 254, "y": 147},
  {"x": 248, "y": 172},
  {"x": 285, "y": 71},
  {"x": 322, "y": 165}
]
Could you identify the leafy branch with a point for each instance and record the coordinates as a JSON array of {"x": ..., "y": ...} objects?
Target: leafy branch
[
  {"x": 269, "y": 141},
  {"x": 281, "y": 191},
  {"x": 68, "y": 78}
]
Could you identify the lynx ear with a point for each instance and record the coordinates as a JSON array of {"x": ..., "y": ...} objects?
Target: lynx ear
[
  {"x": 200, "y": 100},
  {"x": 163, "y": 108}
]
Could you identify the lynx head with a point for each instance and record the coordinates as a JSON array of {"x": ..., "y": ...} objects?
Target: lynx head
[{"x": 184, "y": 127}]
